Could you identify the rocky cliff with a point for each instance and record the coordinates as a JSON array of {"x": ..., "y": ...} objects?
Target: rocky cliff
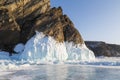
[
  {"x": 19, "y": 19},
  {"x": 103, "y": 49}
]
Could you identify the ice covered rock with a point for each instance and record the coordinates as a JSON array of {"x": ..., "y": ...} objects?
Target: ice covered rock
[
  {"x": 45, "y": 48},
  {"x": 79, "y": 52}
]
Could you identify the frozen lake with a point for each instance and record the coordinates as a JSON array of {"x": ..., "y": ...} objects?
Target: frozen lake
[{"x": 62, "y": 72}]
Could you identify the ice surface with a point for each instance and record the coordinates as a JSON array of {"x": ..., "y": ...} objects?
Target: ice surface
[
  {"x": 45, "y": 48},
  {"x": 61, "y": 72},
  {"x": 11, "y": 69},
  {"x": 4, "y": 55}
]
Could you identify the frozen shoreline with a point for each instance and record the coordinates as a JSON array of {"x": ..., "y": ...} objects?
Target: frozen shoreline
[
  {"x": 104, "y": 62},
  {"x": 61, "y": 72}
]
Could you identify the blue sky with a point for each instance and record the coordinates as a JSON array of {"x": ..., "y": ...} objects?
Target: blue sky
[{"x": 96, "y": 20}]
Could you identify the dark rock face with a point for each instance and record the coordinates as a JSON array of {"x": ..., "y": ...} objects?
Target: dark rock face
[
  {"x": 54, "y": 23},
  {"x": 19, "y": 19},
  {"x": 25, "y": 13},
  {"x": 103, "y": 49},
  {"x": 9, "y": 30}
]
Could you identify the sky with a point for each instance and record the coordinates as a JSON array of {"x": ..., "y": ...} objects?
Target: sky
[{"x": 96, "y": 20}]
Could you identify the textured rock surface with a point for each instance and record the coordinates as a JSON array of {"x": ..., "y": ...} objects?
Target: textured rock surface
[
  {"x": 25, "y": 11},
  {"x": 9, "y": 30},
  {"x": 54, "y": 23},
  {"x": 24, "y": 8},
  {"x": 103, "y": 49},
  {"x": 19, "y": 19}
]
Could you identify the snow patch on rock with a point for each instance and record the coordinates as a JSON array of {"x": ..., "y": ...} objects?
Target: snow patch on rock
[{"x": 19, "y": 48}]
